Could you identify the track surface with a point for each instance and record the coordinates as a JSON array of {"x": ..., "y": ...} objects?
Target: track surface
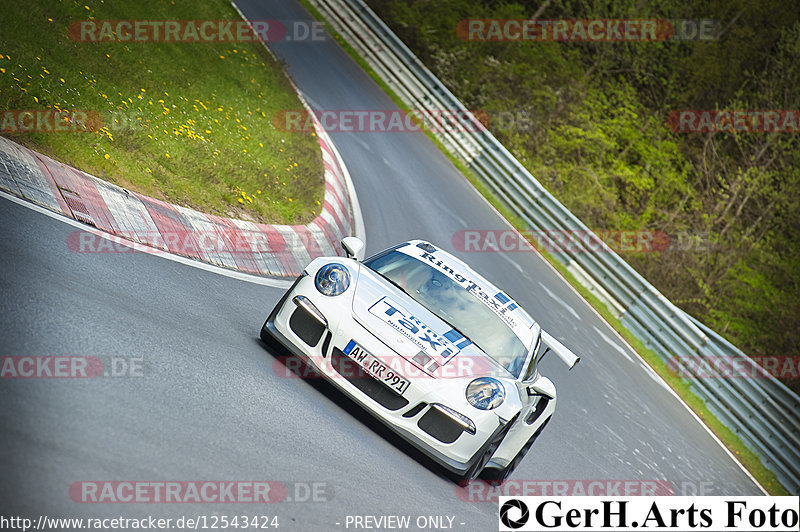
[{"x": 211, "y": 406}]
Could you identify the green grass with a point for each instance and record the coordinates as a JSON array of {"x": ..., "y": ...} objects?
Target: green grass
[
  {"x": 748, "y": 458},
  {"x": 190, "y": 123}
]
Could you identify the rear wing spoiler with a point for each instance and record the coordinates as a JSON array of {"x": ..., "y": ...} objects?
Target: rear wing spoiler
[{"x": 551, "y": 344}]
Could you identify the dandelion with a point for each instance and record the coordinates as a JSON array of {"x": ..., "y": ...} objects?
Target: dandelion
[
  {"x": 62, "y": 80},
  {"x": 290, "y": 199},
  {"x": 258, "y": 191},
  {"x": 241, "y": 200},
  {"x": 107, "y": 156},
  {"x": 86, "y": 8},
  {"x": 167, "y": 154}
]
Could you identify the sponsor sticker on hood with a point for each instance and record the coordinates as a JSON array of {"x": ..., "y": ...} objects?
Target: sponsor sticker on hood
[{"x": 445, "y": 346}]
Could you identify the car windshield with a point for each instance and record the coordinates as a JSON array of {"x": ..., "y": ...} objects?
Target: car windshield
[{"x": 454, "y": 304}]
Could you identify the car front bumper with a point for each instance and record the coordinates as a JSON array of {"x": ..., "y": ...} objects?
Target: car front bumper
[{"x": 319, "y": 336}]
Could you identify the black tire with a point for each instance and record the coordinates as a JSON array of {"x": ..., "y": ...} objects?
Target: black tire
[
  {"x": 266, "y": 336},
  {"x": 497, "y": 476},
  {"x": 476, "y": 468}
]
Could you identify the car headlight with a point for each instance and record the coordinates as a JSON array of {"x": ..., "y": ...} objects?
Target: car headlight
[
  {"x": 485, "y": 393},
  {"x": 332, "y": 279}
]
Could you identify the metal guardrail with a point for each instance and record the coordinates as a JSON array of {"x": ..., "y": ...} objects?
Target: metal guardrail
[{"x": 762, "y": 411}]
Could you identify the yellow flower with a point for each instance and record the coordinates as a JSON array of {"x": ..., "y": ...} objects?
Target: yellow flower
[
  {"x": 167, "y": 154},
  {"x": 36, "y": 99},
  {"x": 45, "y": 70},
  {"x": 290, "y": 199},
  {"x": 241, "y": 200},
  {"x": 3, "y": 70},
  {"x": 222, "y": 57},
  {"x": 86, "y": 8},
  {"x": 107, "y": 156},
  {"x": 62, "y": 80},
  {"x": 258, "y": 191}
]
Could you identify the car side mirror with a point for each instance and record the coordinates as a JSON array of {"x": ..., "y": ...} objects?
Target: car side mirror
[
  {"x": 551, "y": 344},
  {"x": 354, "y": 247}
]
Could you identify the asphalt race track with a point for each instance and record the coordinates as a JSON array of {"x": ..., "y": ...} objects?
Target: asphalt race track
[{"x": 212, "y": 403}]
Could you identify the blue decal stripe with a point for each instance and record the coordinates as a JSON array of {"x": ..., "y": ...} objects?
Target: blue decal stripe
[
  {"x": 502, "y": 298},
  {"x": 453, "y": 335},
  {"x": 512, "y": 306},
  {"x": 463, "y": 344},
  {"x": 350, "y": 345}
]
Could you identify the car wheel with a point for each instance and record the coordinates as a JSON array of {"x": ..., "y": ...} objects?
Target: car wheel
[
  {"x": 497, "y": 476},
  {"x": 479, "y": 464},
  {"x": 267, "y": 337}
]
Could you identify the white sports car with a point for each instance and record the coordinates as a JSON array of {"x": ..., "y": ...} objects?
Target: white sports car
[{"x": 429, "y": 347}]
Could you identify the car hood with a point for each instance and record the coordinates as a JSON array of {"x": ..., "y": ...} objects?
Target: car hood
[{"x": 416, "y": 333}]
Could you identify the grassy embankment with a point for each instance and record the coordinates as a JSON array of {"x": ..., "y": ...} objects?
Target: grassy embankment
[{"x": 188, "y": 122}]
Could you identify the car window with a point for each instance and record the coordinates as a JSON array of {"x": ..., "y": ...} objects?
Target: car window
[{"x": 454, "y": 304}]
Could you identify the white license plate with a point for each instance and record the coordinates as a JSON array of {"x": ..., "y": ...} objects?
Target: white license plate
[{"x": 376, "y": 368}]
